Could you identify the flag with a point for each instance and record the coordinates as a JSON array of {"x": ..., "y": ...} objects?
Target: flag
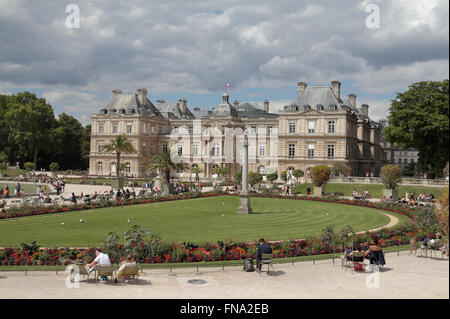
[{"x": 228, "y": 85}]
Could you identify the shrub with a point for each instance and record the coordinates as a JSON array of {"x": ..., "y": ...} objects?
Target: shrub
[
  {"x": 54, "y": 166},
  {"x": 341, "y": 170},
  {"x": 254, "y": 178},
  {"x": 391, "y": 175},
  {"x": 441, "y": 211},
  {"x": 283, "y": 175},
  {"x": 29, "y": 166},
  {"x": 297, "y": 173},
  {"x": 320, "y": 175},
  {"x": 271, "y": 177},
  {"x": 238, "y": 177}
]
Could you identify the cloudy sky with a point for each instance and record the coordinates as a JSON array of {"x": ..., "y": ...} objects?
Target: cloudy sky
[{"x": 192, "y": 48}]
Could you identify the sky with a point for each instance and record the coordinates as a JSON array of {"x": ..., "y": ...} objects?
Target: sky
[{"x": 191, "y": 49}]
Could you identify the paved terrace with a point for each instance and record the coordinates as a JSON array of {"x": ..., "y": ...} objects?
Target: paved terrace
[{"x": 404, "y": 277}]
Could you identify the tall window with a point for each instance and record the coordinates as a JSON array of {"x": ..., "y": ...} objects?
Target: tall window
[
  {"x": 114, "y": 127},
  {"x": 330, "y": 150},
  {"x": 195, "y": 149},
  {"x": 253, "y": 129},
  {"x": 145, "y": 127},
  {"x": 269, "y": 130},
  {"x": 311, "y": 126},
  {"x": 262, "y": 150},
  {"x": 128, "y": 167},
  {"x": 330, "y": 126},
  {"x": 128, "y": 128},
  {"x": 164, "y": 148},
  {"x": 216, "y": 150},
  {"x": 291, "y": 150},
  {"x": 261, "y": 170},
  {"x": 180, "y": 149},
  {"x": 175, "y": 130},
  {"x": 100, "y": 127},
  {"x": 152, "y": 149},
  {"x": 311, "y": 150},
  {"x": 99, "y": 167},
  {"x": 292, "y": 127},
  {"x": 153, "y": 130},
  {"x": 100, "y": 146},
  {"x": 144, "y": 149},
  {"x": 191, "y": 129}
]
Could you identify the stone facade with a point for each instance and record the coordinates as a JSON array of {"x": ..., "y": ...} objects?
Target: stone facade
[{"x": 318, "y": 128}]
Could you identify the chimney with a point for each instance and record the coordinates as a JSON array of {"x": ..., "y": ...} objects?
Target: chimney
[
  {"x": 352, "y": 99},
  {"x": 266, "y": 106},
  {"x": 236, "y": 104},
  {"x": 116, "y": 92},
  {"x": 301, "y": 87},
  {"x": 142, "y": 92},
  {"x": 365, "y": 109},
  {"x": 182, "y": 105},
  {"x": 336, "y": 87}
]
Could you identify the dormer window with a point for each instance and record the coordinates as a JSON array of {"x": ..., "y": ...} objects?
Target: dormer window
[
  {"x": 333, "y": 107},
  {"x": 319, "y": 107},
  {"x": 306, "y": 107}
]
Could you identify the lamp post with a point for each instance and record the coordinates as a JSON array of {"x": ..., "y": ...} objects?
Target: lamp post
[{"x": 244, "y": 197}]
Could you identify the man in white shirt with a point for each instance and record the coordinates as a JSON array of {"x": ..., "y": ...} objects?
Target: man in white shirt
[{"x": 101, "y": 259}]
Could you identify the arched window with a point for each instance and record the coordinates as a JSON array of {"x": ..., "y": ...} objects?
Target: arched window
[
  {"x": 99, "y": 166},
  {"x": 128, "y": 167},
  {"x": 215, "y": 166},
  {"x": 194, "y": 166},
  {"x": 113, "y": 167},
  {"x": 261, "y": 170}
]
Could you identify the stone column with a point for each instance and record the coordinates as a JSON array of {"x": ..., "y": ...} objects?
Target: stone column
[{"x": 244, "y": 198}]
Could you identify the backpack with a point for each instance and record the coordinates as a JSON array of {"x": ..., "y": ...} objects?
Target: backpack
[{"x": 248, "y": 265}]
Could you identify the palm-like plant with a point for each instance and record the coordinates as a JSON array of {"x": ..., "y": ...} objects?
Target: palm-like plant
[
  {"x": 120, "y": 145},
  {"x": 163, "y": 163}
]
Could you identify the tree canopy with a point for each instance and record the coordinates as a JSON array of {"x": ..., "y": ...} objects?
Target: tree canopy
[{"x": 419, "y": 118}]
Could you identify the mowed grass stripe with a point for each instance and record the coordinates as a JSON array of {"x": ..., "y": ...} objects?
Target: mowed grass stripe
[{"x": 192, "y": 220}]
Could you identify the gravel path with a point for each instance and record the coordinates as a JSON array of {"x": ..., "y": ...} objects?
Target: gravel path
[{"x": 404, "y": 277}]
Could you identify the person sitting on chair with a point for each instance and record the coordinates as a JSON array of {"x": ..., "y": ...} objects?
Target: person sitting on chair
[
  {"x": 375, "y": 253},
  {"x": 263, "y": 248},
  {"x": 100, "y": 259}
]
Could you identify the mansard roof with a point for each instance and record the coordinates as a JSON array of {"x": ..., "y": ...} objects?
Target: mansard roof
[{"x": 130, "y": 103}]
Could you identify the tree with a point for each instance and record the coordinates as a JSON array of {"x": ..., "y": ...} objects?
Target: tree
[
  {"x": 254, "y": 177},
  {"x": 237, "y": 177},
  {"x": 272, "y": 177},
  {"x": 391, "y": 176},
  {"x": 441, "y": 211},
  {"x": 320, "y": 175},
  {"x": 419, "y": 118},
  {"x": 68, "y": 136},
  {"x": 196, "y": 170},
  {"x": 410, "y": 170},
  {"x": 120, "y": 145},
  {"x": 297, "y": 173},
  {"x": 220, "y": 170},
  {"x": 30, "y": 123},
  {"x": 54, "y": 166},
  {"x": 164, "y": 164},
  {"x": 29, "y": 166},
  {"x": 283, "y": 175},
  {"x": 3, "y": 157},
  {"x": 3, "y": 167},
  {"x": 341, "y": 170},
  {"x": 85, "y": 145}
]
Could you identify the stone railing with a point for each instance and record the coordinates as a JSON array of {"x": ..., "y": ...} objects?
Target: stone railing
[{"x": 377, "y": 180}]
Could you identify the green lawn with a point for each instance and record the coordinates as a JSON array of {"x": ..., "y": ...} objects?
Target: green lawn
[
  {"x": 375, "y": 190},
  {"x": 192, "y": 220}
]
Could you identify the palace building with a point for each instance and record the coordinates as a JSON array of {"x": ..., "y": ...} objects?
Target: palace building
[{"x": 319, "y": 127}]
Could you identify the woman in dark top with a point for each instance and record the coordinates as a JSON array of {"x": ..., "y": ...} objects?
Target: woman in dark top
[{"x": 375, "y": 253}]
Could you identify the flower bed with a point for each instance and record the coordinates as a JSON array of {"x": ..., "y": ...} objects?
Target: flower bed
[{"x": 155, "y": 250}]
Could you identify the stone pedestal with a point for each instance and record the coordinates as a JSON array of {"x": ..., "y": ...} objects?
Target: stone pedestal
[
  {"x": 318, "y": 191},
  {"x": 244, "y": 204}
]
